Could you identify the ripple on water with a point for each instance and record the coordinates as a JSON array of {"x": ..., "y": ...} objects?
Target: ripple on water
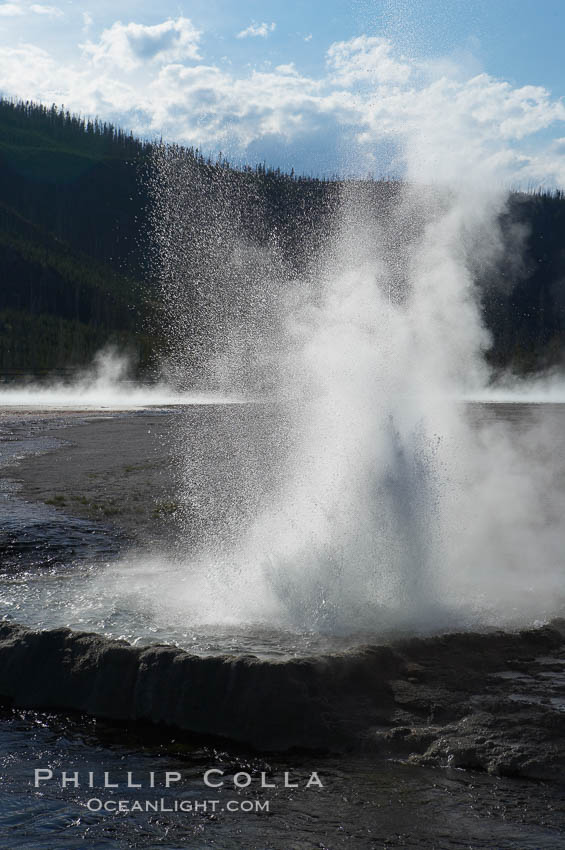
[{"x": 364, "y": 804}]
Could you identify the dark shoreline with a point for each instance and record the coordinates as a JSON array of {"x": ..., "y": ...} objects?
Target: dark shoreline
[{"x": 446, "y": 701}]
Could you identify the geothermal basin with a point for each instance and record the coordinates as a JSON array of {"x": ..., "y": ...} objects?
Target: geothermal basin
[
  {"x": 102, "y": 533},
  {"x": 103, "y": 623}
]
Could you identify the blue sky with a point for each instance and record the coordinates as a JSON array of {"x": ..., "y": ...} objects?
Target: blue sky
[{"x": 321, "y": 87}]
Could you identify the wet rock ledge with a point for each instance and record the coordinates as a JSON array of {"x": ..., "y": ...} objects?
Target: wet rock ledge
[{"x": 493, "y": 701}]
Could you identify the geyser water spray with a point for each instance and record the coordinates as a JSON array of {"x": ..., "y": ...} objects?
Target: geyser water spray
[{"x": 359, "y": 494}]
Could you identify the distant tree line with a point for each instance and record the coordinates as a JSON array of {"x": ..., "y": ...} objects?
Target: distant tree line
[{"x": 77, "y": 210}]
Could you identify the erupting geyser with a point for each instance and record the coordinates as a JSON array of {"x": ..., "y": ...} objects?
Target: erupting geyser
[{"x": 365, "y": 499}]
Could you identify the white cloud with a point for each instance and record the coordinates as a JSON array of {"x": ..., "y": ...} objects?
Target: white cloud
[
  {"x": 244, "y": 109},
  {"x": 16, "y": 9},
  {"x": 289, "y": 68},
  {"x": 308, "y": 37},
  {"x": 441, "y": 125},
  {"x": 257, "y": 30},
  {"x": 8, "y": 10},
  {"x": 366, "y": 59},
  {"x": 558, "y": 145},
  {"x": 49, "y": 11},
  {"x": 128, "y": 46},
  {"x": 87, "y": 21}
]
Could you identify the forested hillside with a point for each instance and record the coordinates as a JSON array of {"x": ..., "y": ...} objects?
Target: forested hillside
[
  {"x": 75, "y": 270},
  {"x": 525, "y": 306},
  {"x": 70, "y": 271}
]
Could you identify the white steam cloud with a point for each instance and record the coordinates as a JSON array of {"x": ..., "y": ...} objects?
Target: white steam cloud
[
  {"x": 395, "y": 505},
  {"x": 103, "y": 386}
]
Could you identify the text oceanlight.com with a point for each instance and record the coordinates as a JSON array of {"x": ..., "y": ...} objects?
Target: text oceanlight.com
[
  {"x": 95, "y": 804},
  {"x": 189, "y": 797}
]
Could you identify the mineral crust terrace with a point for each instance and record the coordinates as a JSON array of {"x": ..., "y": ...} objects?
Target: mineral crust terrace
[{"x": 489, "y": 701}]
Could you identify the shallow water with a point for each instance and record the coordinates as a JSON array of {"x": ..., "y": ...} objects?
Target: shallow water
[
  {"x": 362, "y": 804},
  {"x": 121, "y": 600}
]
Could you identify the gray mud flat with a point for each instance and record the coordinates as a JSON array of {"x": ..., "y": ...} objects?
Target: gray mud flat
[
  {"x": 111, "y": 469},
  {"x": 125, "y": 470},
  {"x": 446, "y": 701}
]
